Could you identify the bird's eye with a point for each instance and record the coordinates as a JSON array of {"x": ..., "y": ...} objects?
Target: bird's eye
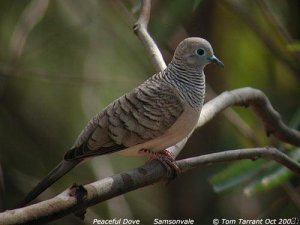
[{"x": 200, "y": 51}]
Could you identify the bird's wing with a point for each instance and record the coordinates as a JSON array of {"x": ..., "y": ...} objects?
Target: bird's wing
[{"x": 141, "y": 115}]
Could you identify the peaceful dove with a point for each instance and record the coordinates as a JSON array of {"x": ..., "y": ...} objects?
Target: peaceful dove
[{"x": 152, "y": 117}]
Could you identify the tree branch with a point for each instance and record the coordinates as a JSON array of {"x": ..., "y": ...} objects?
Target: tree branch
[
  {"x": 140, "y": 29},
  {"x": 30, "y": 17},
  {"x": 78, "y": 198},
  {"x": 233, "y": 155},
  {"x": 261, "y": 105}
]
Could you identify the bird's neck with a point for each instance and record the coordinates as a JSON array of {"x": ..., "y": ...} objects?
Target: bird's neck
[{"x": 190, "y": 83}]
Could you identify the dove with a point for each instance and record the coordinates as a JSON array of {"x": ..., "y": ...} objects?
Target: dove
[{"x": 147, "y": 120}]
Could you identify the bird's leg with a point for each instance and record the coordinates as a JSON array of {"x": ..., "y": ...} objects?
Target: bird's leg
[{"x": 166, "y": 158}]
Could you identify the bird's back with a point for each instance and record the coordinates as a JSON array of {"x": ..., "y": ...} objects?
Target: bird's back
[{"x": 142, "y": 114}]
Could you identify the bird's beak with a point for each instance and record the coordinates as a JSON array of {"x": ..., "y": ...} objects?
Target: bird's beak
[{"x": 215, "y": 60}]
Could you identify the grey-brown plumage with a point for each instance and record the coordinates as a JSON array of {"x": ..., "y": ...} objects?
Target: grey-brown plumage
[{"x": 153, "y": 116}]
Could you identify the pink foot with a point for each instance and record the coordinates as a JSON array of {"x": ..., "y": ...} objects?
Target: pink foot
[{"x": 166, "y": 158}]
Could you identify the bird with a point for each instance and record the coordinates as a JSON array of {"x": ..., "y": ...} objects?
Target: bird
[{"x": 147, "y": 120}]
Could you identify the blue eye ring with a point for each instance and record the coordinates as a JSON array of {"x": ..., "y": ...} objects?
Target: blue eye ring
[{"x": 200, "y": 51}]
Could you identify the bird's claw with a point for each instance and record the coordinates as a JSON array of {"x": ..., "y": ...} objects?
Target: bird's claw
[{"x": 167, "y": 159}]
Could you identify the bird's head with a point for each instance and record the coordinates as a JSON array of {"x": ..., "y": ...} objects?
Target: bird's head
[{"x": 195, "y": 52}]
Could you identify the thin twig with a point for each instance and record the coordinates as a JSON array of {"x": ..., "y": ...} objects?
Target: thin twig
[
  {"x": 233, "y": 155},
  {"x": 277, "y": 24},
  {"x": 30, "y": 17},
  {"x": 239, "y": 9},
  {"x": 140, "y": 29}
]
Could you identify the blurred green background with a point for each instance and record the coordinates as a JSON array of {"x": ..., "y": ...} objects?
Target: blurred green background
[{"x": 62, "y": 61}]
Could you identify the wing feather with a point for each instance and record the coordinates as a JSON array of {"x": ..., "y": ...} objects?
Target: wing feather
[{"x": 141, "y": 115}]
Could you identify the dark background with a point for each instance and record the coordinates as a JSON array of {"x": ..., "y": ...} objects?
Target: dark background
[{"x": 63, "y": 61}]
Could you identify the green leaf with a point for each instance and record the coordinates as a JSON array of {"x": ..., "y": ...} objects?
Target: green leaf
[
  {"x": 265, "y": 175},
  {"x": 295, "y": 121},
  {"x": 274, "y": 178},
  {"x": 235, "y": 174}
]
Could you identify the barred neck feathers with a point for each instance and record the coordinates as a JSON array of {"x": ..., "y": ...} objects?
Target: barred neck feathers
[
  {"x": 185, "y": 72},
  {"x": 190, "y": 82}
]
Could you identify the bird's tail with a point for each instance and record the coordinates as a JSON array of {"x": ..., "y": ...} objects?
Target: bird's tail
[{"x": 59, "y": 171}]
